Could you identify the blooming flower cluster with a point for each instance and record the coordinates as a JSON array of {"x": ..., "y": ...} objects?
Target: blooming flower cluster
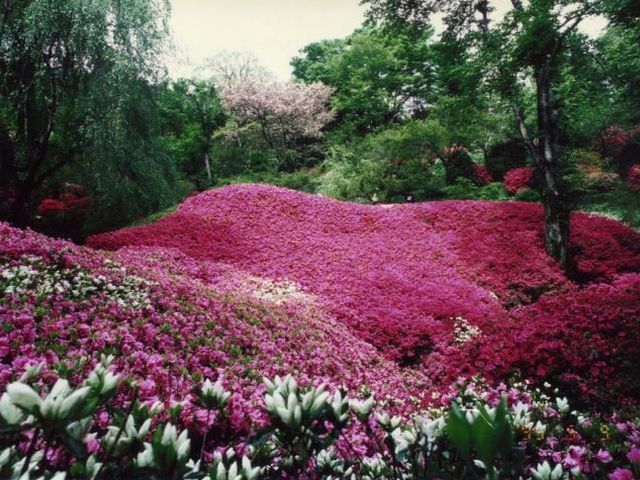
[
  {"x": 72, "y": 199},
  {"x": 519, "y": 179},
  {"x": 33, "y": 276},
  {"x": 252, "y": 281}
]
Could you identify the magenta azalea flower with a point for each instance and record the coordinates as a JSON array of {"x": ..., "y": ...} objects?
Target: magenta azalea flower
[
  {"x": 603, "y": 456},
  {"x": 621, "y": 474},
  {"x": 634, "y": 455}
]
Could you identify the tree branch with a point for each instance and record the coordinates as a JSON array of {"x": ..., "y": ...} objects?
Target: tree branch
[{"x": 524, "y": 132}]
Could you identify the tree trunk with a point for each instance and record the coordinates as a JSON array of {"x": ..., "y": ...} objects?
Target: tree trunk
[
  {"x": 556, "y": 213},
  {"x": 207, "y": 166}
]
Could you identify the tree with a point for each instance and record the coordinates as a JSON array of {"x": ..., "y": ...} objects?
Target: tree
[
  {"x": 230, "y": 67},
  {"x": 209, "y": 115},
  {"x": 379, "y": 78},
  {"x": 52, "y": 54},
  {"x": 284, "y": 113},
  {"x": 527, "y": 44},
  {"x": 190, "y": 113}
]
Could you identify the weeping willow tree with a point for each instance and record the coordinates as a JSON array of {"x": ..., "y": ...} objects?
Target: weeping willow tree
[{"x": 76, "y": 82}]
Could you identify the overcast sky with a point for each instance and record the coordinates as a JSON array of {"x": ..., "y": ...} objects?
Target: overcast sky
[{"x": 273, "y": 30}]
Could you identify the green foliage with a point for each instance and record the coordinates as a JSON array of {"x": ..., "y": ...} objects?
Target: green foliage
[
  {"x": 380, "y": 77},
  {"x": 190, "y": 112},
  {"x": 77, "y": 103},
  {"x": 466, "y": 189},
  {"x": 505, "y": 156},
  {"x": 458, "y": 164},
  {"x": 394, "y": 165},
  {"x": 527, "y": 195},
  {"x": 619, "y": 50},
  {"x": 622, "y": 203}
]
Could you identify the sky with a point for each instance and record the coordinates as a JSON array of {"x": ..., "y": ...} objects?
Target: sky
[{"x": 273, "y": 30}]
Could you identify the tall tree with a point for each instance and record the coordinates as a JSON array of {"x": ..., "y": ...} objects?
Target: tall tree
[
  {"x": 283, "y": 113},
  {"x": 527, "y": 44},
  {"x": 53, "y": 52},
  {"x": 379, "y": 77}
]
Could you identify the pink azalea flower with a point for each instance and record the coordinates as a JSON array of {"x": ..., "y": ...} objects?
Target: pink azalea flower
[
  {"x": 634, "y": 455},
  {"x": 603, "y": 456},
  {"x": 574, "y": 456},
  {"x": 621, "y": 474}
]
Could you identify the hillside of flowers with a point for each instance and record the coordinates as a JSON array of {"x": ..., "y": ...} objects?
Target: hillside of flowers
[
  {"x": 445, "y": 287},
  {"x": 259, "y": 332}
]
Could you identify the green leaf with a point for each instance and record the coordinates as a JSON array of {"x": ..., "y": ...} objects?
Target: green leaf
[
  {"x": 458, "y": 430},
  {"x": 484, "y": 434},
  {"x": 11, "y": 429},
  {"x": 77, "y": 448}
]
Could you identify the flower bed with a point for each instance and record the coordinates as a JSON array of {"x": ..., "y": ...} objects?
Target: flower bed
[
  {"x": 396, "y": 301},
  {"x": 396, "y": 277}
]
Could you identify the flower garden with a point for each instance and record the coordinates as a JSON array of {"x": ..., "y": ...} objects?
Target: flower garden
[{"x": 259, "y": 332}]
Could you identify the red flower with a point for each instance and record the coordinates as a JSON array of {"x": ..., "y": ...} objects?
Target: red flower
[
  {"x": 50, "y": 206},
  {"x": 519, "y": 179}
]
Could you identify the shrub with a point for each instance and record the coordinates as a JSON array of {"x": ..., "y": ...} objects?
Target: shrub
[
  {"x": 633, "y": 177},
  {"x": 482, "y": 175},
  {"x": 391, "y": 166},
  {"x": 313, "y": 432},
  {"x": 527, "y": 195},
  {"x": 519, "y": 179},
  {"x": 463, "y": 189},
  {"x": 51, "y": 206},
  {"x": 506, "y": 156},
  {"x": 458, "y": 164},
  {"x": 493, "y": 191},
  {"x": 397, "y": 276}
]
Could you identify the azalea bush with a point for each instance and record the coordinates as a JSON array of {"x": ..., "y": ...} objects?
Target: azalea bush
[{"x": 519, "y": 179}]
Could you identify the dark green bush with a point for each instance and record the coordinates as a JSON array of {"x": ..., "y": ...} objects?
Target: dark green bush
[
  {"x": 506, "y": 156},
  {"x": 527, "y": 195},
  {"x": 458, "y": 164}
]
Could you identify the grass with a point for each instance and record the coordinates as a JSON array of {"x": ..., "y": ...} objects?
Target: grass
[{"x": 623, "y": 204}]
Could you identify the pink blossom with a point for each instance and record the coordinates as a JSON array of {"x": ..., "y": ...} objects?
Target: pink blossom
[
  {"x": 621, "y": 474},
  {"x": 634, "y": 455},
  {"x": 574, "y": 456},
  {"x": 603, "y": 456}
]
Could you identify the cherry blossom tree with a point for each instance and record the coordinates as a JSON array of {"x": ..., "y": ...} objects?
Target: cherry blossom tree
[{"x": 284, "y": 113}]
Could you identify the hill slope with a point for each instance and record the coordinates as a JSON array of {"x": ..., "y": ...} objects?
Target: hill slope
[{"x": 451, "y": 287}]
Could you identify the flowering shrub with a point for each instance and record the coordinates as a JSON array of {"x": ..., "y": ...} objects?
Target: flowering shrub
[
  {"x": 614, "y": 138},
  {"x": 519, "y": 179},
  {"x": 50, "y": 206},
  {"x": 85, "y": 429},
  {"x": 72, "y": 200},
  {"x": 393, "y": 302},
  {"x": 483, "y": 177},
  {"x": 633, "y": 177},
  {"x": 622, "y": 146}
]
